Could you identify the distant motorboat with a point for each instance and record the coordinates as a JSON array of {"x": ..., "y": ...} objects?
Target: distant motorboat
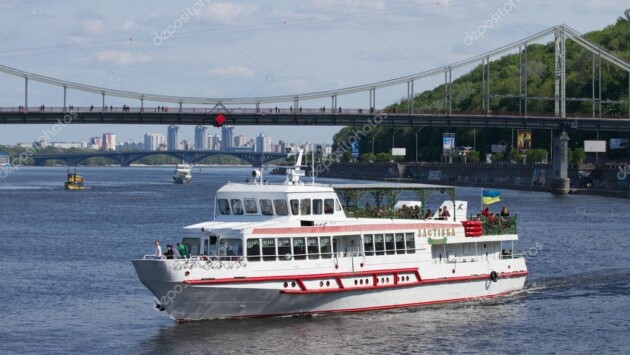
[
  {"x": 74, "y": 181},
  {"x": 182, "y": 173}
]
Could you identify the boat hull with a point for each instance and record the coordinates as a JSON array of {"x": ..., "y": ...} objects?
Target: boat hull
[
  {"x": 198, "y": 300},
  {"x": 182, "y": 179}
]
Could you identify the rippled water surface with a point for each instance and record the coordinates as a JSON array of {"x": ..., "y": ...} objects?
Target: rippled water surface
[{"x": 67, "y": 284}]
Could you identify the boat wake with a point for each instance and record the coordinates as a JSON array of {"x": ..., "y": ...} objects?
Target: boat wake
[{"x": 614, "y": 282}]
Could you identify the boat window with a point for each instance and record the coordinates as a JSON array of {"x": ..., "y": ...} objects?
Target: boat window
[
  {"x": 368, "y": 245},
  {"x": 379, "y": 244},
  {"x": 224, "y": 206},
  {"x": 305, "y": 206},
  {"x": 250, "y": 205},
  {"x": 212, "y": 249},
  {"x": 281, "y": 207},
  {"x": 266, "y": 208},
  {"x": 390, "y": 248},
  {"x": 325, "y": 247},
  {"x": 318, "y": 208},
  {"x": 253, "y": 250},
  {"x": 269, "y": 249},
  {"x": 411, "y": 243},
  {"x": 337, "y": 205},
  {"x": 205, "y": 247},
  {"x": 299, "y": 252},
  {"x": 237, "y": 206},
  {"x": 192, "y": 244},
  {"x": 313, "y": 247},
  {"x": 328, "y": 206},
  {"x": 400, "y": 243},
  {"x": 295, "y": 207},
  {"x": 284, "y": 248},
  {"x": 230, "y": 247}
]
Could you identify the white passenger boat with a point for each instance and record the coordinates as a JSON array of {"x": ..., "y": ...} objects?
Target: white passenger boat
[
  {"x": 182, "y": 173},
  {"x": 294, "y": 249}
]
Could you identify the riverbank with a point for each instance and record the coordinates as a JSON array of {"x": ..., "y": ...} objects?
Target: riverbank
[{"x": 585, "y": 179}]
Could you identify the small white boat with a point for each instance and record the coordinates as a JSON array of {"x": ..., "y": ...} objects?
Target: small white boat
[{"x": 182, "y": 173}]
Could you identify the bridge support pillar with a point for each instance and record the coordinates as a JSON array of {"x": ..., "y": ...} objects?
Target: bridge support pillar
[{"x": 560, "y": 183}]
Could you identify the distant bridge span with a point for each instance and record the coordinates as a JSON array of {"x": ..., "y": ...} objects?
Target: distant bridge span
[{"x": 190, "y": 156}]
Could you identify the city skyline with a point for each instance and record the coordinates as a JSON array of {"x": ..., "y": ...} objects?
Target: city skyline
[{"x": 170, "y": 140}]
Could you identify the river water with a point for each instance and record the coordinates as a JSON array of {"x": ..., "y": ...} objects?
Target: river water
[{"x": 67, "y": 284}]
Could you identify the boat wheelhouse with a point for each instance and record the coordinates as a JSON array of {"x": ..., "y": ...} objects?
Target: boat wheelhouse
[{"x": 298, "y": 248}]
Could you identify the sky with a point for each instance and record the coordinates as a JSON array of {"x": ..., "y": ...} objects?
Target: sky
[{"x": 212, "y": 48}]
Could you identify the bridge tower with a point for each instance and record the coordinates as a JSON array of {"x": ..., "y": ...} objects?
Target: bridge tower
[{"x": 560, "y": 182}]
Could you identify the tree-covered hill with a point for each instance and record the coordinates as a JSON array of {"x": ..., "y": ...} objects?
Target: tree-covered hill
[{"x": 504, "y": 77}]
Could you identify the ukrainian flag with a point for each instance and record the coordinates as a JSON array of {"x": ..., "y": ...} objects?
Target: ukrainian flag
[{"x": 490, "y": 196}]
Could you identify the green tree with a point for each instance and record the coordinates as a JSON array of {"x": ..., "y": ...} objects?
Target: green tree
[
  {"x": 537, "y": 155},
  {"x": 578, "y": 156}
]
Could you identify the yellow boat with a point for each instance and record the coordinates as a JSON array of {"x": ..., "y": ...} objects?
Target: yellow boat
[{"x": 75, "y": 181}]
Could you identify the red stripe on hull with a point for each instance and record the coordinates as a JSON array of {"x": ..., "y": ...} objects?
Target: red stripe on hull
[
  {"x": 293, "y": 277},
  {"x": 299, "y": 279}
]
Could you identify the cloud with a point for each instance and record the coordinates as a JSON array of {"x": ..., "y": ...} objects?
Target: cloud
[
  {"x": 93, "y": 26},
  {"x": 123, "y": 58},
  {"x": 227, "y": 12},
  {"x": 233, "y": 72}
]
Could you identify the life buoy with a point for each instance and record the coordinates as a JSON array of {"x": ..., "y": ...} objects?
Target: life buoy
[{"x": 494, "y": 276}]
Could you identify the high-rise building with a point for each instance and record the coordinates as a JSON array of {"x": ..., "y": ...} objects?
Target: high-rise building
[
  {"x": 95, "y": 143},
  {"x": 152, "y": 141},
  {"x": 263, "y": 143},
  {"x": 239, "y": 141},
  {"x": 109, "y": 141},
  {"x": 214, "y": 142},
  {"x": 227, "y": 137},
  {"x": 172, "y": 137},
  {"x": 201, "y": 143}
]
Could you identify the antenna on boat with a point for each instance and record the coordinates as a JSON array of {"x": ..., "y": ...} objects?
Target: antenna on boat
[
  {"x": 294, "y": 172},
  {"x": 313, "y": 163}
]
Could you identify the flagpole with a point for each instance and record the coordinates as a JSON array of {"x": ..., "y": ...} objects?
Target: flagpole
[{"x": 481, "y": 208}]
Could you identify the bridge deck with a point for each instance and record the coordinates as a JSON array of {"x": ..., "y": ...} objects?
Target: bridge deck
[{"x": 307, "y": 117}]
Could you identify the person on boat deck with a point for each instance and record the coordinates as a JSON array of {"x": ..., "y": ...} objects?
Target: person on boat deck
[
  {"x": 169, "y": 252},
  {"x": 445, "y": 214},
  {"x": 158, "y": 250},
  {"x": 486, "y": 212},
  {"x": 183, "y": 251},
  {"x": 176, "y": 254},
  {"x": 439, "y": 213},
  {"x": 505, "y": 212},
  {"x": 368, "y": 209},
  {"x": 429, "y": 214}
]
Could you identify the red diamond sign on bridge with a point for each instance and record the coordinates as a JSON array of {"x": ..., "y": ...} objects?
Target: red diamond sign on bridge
[{"x": 219, "y": 120}]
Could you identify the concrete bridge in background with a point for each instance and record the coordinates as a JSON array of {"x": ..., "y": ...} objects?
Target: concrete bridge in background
[{"x": 190, "y": 156}]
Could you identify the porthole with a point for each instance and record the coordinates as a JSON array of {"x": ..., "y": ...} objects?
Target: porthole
[
  {"x": 293, "y": 284},
  {"x": 286, "y": 285},
  {"x": 453, "y": 271},
  {"x": 361, "y": 282},
  {"x": 356, "y": 282},
  {"x": 387, "y": 279},
  {"x": 367, "y": 281},
  {"x": 321, "y": 284},
  {"x": 327, "y": 283}
]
